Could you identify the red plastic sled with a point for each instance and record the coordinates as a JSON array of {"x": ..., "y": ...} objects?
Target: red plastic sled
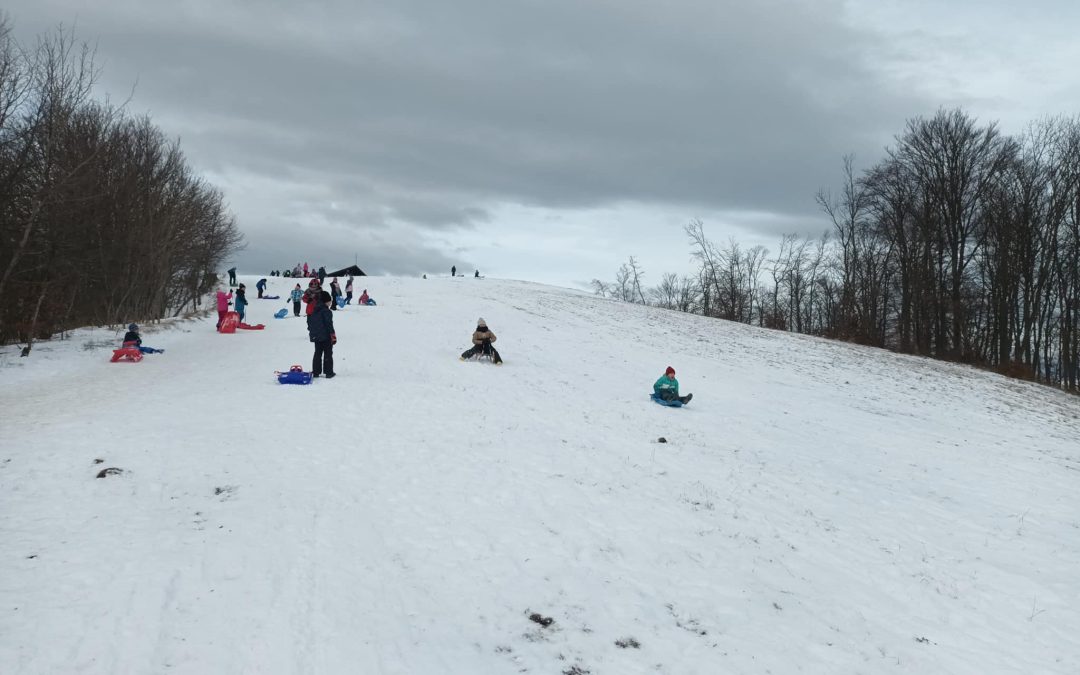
[
  {"x": 229, "y": 323},
  {"x": 126, "y": 354},
  {"x": 245, "y": 326}
]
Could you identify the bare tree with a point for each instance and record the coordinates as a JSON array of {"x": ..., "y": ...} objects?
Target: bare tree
[{"x": 101, "y": 219}]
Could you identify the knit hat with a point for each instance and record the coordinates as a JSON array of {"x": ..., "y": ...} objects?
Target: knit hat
[
  {"x": 133, "y": 327},
  {"x": 481, "y": 322},
  {"x": 669, "y": 370}
]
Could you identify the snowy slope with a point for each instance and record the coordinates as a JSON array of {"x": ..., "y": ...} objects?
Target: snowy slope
[{"x": 818, "y": 508}]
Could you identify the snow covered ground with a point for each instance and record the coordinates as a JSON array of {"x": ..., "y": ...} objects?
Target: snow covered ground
[{"x": 817, "y": 508}]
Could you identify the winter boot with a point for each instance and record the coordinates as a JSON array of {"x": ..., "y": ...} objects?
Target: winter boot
[{"x": 686, "y": 399}]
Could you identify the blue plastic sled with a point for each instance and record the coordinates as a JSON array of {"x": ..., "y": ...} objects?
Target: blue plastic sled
[
  {"x": 294, "y": 377},
  {"x": 671, "y": 404},
  {"x": 281, "y": 313},
  {"x": 340, "y": 302},
  {"x": 270, "y": 297},
  {"x": 371, "y": 302}
]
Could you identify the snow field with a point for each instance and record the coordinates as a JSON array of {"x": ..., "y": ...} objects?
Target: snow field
[{"x": 819, "y": 507}]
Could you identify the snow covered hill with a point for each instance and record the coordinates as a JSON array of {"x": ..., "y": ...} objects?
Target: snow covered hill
[{"x": 817, "y": 508}]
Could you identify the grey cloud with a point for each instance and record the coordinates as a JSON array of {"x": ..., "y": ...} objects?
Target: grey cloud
[
  {"x": 280, "y": 246},
  {"x": 427, "y": 112}
]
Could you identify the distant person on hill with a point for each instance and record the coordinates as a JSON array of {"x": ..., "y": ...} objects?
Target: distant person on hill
[
  {"x": 483, "y": 344},
  {"x": 223, "y": 301},
  {"x": 241, "y": 302},
  {"x": 364, "y": 298},
  {"x": 305, "y": 269},
  {"x": 287, "y": 274},
  {"x": 322, "y": 275},
  {"x": 335, "y": 293},
  {"x": 453, "y": 270},
  {"x": 133, "y": 339},
  {"x": 232, "y": 277},
  {"x": 311, "y": 296},
  {"x": 321, "y": 331},
  {"x": 667, "y": 388},
  {"x": 296, "y": 295},
  {"x": 476, "y": 274},
  {"x": 260, "y": 286},
  {"x": 348, "y": 290}
]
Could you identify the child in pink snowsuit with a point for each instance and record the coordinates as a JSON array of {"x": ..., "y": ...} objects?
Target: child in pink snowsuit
[{"x": 222, "y": 306}]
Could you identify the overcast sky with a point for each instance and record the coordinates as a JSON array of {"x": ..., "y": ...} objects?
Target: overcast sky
[{"x": 549, "y": 140}]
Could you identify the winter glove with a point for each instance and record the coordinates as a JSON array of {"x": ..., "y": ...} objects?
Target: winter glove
[{"x": 333, "y": 339}]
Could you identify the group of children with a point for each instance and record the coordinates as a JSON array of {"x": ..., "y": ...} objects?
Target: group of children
[
  {"x": 301, "y": 271},
  {"x": 296, "y": 295},
  {"x": 225, "y": 299},
  {"x": 320, "y": 324}
]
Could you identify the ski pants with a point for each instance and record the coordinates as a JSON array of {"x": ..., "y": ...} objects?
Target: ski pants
[
  {"x": 670, "y": 395},
  {"x": 296, "y": 307},
  {"x": 232, "y": 278},
  {"x": 323, "y": 362},
  {"x": 221, "y": 317},
  {"x": 348, "y": 297},
  {"x": 484, "y": 348}
]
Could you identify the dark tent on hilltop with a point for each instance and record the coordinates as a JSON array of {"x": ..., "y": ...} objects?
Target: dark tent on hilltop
[{"x": 346, "y": 271}]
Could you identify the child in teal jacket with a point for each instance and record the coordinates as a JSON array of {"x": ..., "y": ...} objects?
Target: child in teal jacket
[
  {"x": 667, "y": 388},
  {"x": 241, "y": 302}
]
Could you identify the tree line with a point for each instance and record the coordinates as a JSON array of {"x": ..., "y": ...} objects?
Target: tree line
[
  {"x": 962, "y": 243},
  {"x": 102, "y": 220}
]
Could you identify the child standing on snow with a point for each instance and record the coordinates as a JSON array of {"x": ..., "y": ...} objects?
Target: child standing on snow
[
  {"x": 296, "y": 296},
  {"x": 241, "y": 301},
  {"x": 482, "y": 340},
  {"x": 311, "y": 295},
  {"x": 348, "y": 291},
  {"x": 335, "y": 293},
  {"x": 222, "y": 306},
  {"x": 321, "y": 331},
  {"x": 667, "y": 388},
  {"x": 261, "y": 286}
]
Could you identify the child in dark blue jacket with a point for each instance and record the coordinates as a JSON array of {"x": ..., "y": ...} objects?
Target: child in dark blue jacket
[
  {"x": 321, "y": 331},
  {"x": 133, "y": 339}
]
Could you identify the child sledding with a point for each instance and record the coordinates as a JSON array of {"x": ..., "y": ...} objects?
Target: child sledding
[
  {"x": 666, "y": 390},
  {"x": 483, "y": 346},
  {"x": 133, "y": 349}
]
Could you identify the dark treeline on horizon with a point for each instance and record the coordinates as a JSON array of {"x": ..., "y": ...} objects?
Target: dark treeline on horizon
[
  {"x": 102, "y": 221},
  {"x": 961, "y": 244}
]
